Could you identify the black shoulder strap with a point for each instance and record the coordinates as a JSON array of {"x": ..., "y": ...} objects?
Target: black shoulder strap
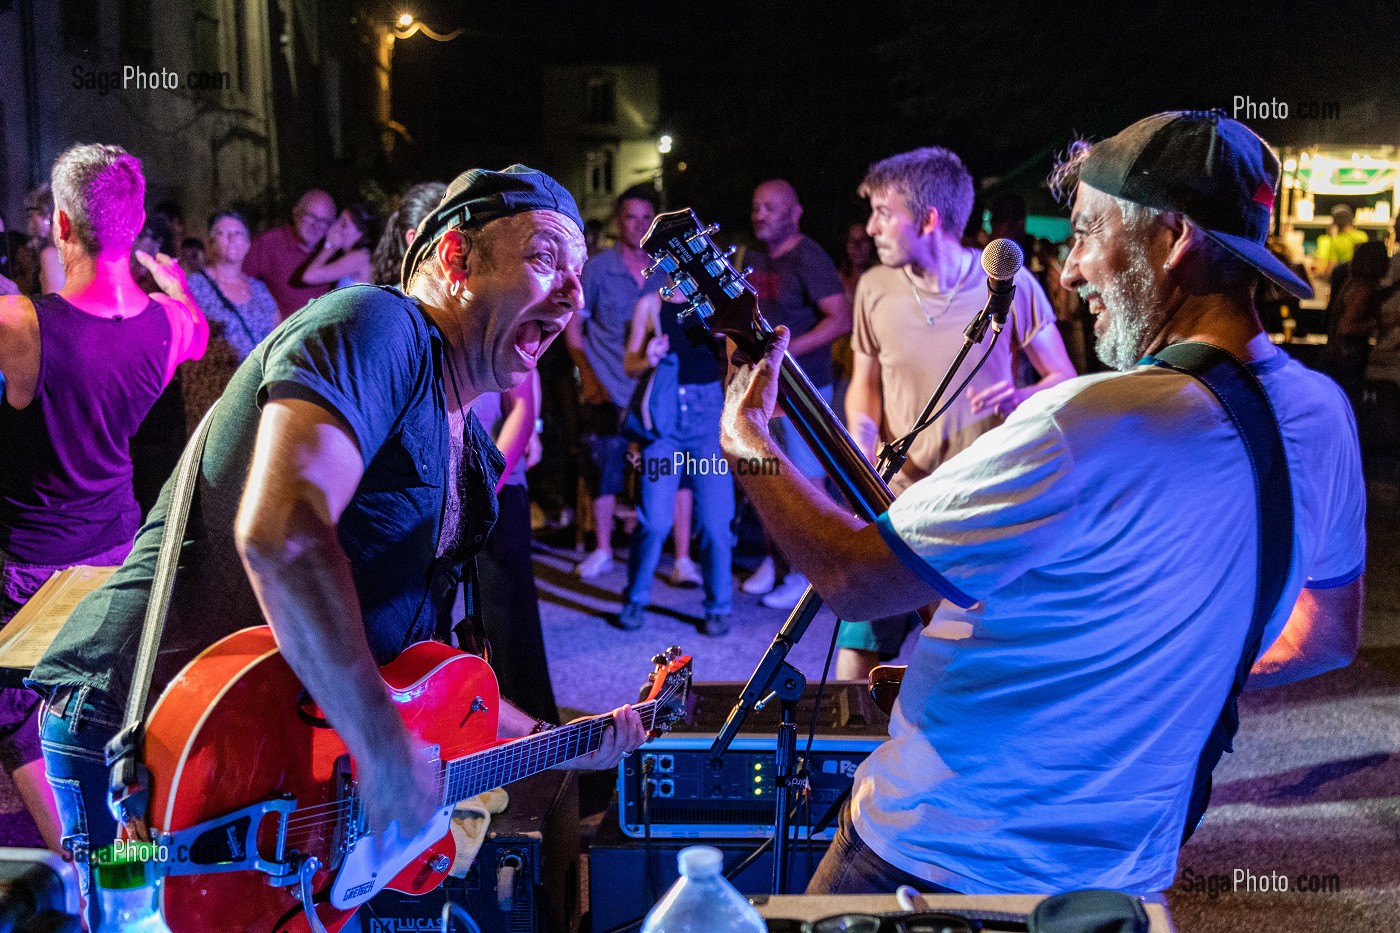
[
  {"x": 1245, "y": 401},
  {"x": 128, "y": 781}
]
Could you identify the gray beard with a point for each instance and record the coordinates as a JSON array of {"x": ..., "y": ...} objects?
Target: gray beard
[{"x": 1135, "y": 314}]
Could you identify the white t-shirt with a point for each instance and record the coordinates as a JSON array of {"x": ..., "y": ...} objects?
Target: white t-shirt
[{"x": 1104, "y": 542}]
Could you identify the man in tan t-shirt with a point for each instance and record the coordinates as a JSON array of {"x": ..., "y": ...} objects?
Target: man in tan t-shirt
[{"x": 910, "y": 313}]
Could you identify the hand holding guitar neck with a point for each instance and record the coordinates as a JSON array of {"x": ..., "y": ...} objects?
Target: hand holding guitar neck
[{"x": 755, "y": 386}]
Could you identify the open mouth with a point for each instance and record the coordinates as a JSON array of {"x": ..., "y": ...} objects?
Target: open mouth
[{"x": 532, "y": 337}]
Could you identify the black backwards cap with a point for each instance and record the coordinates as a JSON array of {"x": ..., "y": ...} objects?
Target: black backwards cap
[
  {"x": 479, "y": 196},
  {"x": 1203, "y": 164}
]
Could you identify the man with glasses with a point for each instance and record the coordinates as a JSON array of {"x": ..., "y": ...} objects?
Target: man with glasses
[{"x": 279, "y": 256}]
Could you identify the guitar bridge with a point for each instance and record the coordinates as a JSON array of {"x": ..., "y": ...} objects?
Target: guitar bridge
[
  {"x": 227, "y": 843},
  {"x": 349, "y": 829}
]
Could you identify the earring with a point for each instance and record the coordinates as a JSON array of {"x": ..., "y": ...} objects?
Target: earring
[{"x": 455, "y": 288}]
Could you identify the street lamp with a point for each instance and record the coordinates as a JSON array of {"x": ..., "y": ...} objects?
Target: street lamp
[
  {"x": 663, "y": 145},
  {"x": 405, "y": 20}
]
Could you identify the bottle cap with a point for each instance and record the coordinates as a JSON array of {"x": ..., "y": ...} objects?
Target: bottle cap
[
  {"x": 700, "y": 860},
  {"x": 126, "y": 866}
]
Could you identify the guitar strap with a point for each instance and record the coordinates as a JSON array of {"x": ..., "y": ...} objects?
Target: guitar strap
[
  {"x": 128, "y": 786},
  {"x": 1246, "y": 403}
]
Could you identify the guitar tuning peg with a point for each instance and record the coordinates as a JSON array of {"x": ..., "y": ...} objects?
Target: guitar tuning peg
[
  {"x": 673, "y": 652},
  {"x": 699, "y": 235},
  {"x": 745, "y": 273},
  {"x": 667, "y": 291},
  {"x": 659, "y": 659},
  {"x": 664, "y": 262}
]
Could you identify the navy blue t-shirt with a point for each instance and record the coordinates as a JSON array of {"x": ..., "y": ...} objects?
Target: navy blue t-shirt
[{"x": 372, "y": 356}]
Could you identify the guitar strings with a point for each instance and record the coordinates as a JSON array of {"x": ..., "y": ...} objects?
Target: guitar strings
[{"x": 305, "y": 822}]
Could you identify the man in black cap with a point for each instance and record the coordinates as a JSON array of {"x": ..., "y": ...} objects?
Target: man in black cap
[
  {"x": 1096, "y": 557},
  {"x": 344, "y": 486}
]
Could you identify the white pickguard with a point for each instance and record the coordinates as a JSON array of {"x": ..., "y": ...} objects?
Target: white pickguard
[{"x": 377, "y": 858}]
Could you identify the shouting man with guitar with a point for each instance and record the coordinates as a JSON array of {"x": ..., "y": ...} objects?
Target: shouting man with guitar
[
  {"x": 344, "y": 485},
  {"x": 1112, "y": 562}
]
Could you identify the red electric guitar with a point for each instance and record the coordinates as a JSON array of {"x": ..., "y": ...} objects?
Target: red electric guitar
[{"x": 253, "y": 796}]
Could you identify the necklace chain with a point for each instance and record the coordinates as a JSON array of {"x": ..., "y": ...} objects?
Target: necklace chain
[{"x": 948, "y": 301}]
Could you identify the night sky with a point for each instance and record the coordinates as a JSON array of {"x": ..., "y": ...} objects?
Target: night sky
[{"x": 815, "y": 92}]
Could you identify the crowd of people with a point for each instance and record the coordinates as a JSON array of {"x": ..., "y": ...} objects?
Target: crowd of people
[{"x": 379, "y": 391}]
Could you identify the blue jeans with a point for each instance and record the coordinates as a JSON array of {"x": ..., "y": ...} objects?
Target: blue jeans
[
  {"x": 795, "y": 447},
  {"x": 852, "y": 867},
  {"x": 74, "y": 730},
  {"x": 691, "y": 448}
]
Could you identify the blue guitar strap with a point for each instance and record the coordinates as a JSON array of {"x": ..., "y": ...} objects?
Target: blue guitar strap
[{"x": 1245, "y": 401}]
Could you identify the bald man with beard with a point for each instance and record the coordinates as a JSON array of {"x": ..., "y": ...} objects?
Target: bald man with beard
[
  {"x": 798, "y": 287},
  {"x": 279, "y": 256}
]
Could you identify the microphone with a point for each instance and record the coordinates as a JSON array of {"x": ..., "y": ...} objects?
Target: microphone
[{"x": 1001, "y": 260}]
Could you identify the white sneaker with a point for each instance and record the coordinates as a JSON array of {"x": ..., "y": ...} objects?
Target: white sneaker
[
  {"x": 787, "y": 594},
  {"x": 595, "y": 564},
  {"x": 685, "y": 573},
  {"x": 761, "y": 581}
]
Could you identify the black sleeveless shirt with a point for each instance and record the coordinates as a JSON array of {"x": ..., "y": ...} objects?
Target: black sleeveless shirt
[{"x": 701, "y": 355}]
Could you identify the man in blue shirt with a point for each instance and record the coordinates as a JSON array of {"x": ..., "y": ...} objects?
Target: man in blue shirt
[{"x": 613, "y": 281}]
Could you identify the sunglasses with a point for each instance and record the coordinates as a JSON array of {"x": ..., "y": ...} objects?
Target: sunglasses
[{"x": 920, "y": 922}]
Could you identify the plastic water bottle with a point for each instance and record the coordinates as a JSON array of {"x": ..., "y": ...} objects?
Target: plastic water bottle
[
  {"x": 702, "y": 900},
  {"x": 127, "y": 889}
]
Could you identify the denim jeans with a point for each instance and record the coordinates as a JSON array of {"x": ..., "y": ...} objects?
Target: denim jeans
[
  {"x": 795, "y": 447},
  {"x": 852, "y": 867},
  {"x": 75, "y": 728},
  {"x": 692, "y": 448}
]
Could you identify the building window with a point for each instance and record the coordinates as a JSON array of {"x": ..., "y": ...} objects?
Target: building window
[
  {"x": 600, "y": 172},
  {"x": 602, "y": 100}
]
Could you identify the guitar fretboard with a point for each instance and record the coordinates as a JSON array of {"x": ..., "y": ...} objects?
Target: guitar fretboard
[{"x": 481, "y": 771}]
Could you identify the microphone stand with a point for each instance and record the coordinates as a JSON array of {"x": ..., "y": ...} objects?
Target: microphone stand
[{"x": 791, "y": 685}]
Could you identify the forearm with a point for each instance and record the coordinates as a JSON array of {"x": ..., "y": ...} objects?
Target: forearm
[
  {"x": 323, "y": 270},
  {"x": 863, "y": 413},
  {"x": 812, "y": 531},
  {"x": 822, "y": 335},
  {"x": 514, "y": 436},
  {"x": 1285, "y": 662},
  {"x": 513, "y": 722},
  {"x": 308, "y": 597},
  {"x": 636, "y": 364},
  {"x": 1323, "y": 633}
]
